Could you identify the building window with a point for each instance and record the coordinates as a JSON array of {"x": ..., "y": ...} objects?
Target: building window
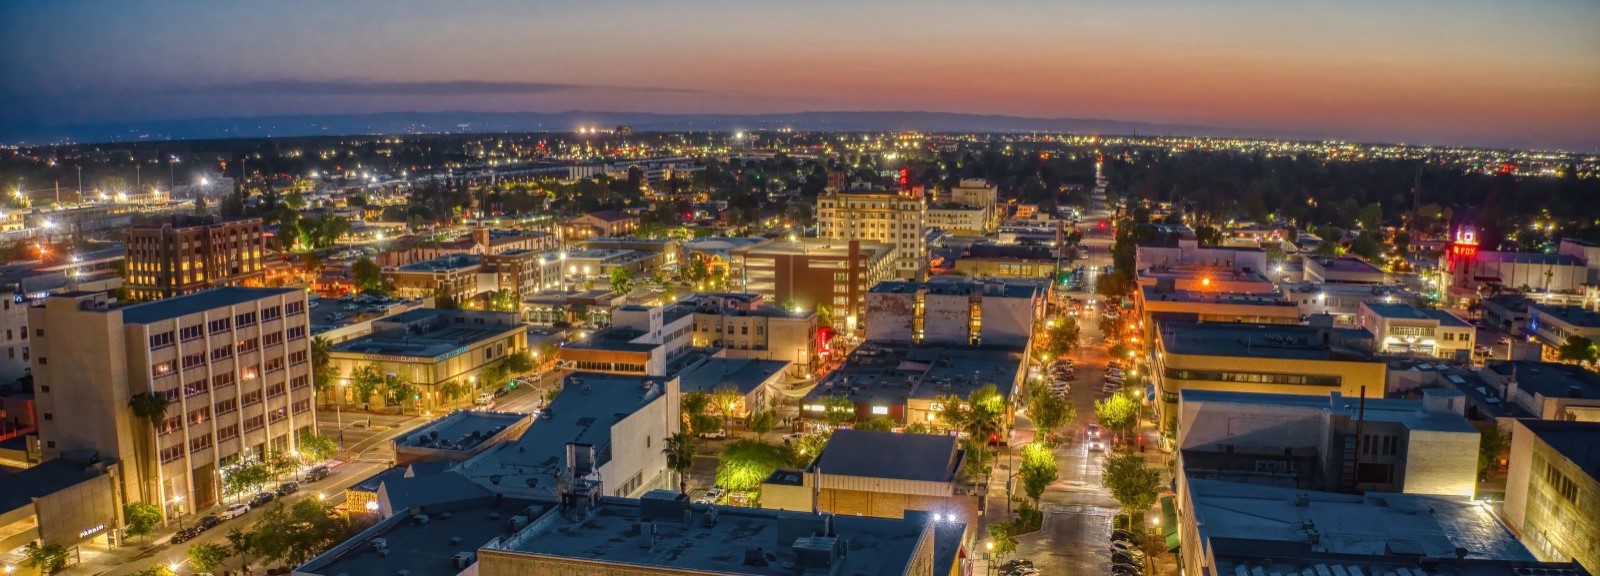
[
  {"x": 294, "y": 308},
  {"x": 246, "y": 319},
  {"x": 161, "y": 340},
  {"x": 249, "y": 345},
  {"x": 272, "y": 339},
  {"x": 194, "y": 360},
  {"x": 219, "y": 325},
  {"x": 251, "y": 398},
  {"x": 227, "y": 406},
  {"x": 222, "y": 380},
  {"x": 158, "y": 369},
  {"x": 221, "y": 353},
  {"x": 254, "y": 423},
  {"x": 270, "y": 314},
  {"x": 297, "y": 358},
  {"x": 297, "y": 333},
  {"x": 191, "y": 333},
  {"x": 274, "y": 365}
]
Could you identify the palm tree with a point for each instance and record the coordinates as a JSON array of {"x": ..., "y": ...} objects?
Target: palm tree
[
  {"x": 151, "y": 407},
  {"x": 322, "y": 377},
  {"x": 680, "y": 457}
]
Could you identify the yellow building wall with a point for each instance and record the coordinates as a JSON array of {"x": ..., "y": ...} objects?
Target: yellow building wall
[{"x": 1352, "y": 376}]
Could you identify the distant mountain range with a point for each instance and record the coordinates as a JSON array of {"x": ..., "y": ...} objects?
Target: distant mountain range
[{"x": 473, "y": 122}]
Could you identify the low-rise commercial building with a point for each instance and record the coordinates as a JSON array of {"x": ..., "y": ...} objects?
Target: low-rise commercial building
[
  {"x": 454, "y": 277},
  {"x": 1342, "y": 270},
  {"x": 1553, "y": 489},
  {"x": 1407, "y": 329},
  {"x": 1552, "y": 325},
  {"x": 599, "y": 224},
  {"x": 1272, "y": 359},
  {"x": 1342, "y": 302},
  {"x": 983, "y": 260},
  {"x": 597, "y": 264},
  {"x": 611, "y": 426},
  {"x": 744, "y": 326},
  {"x": 1215, "y": 306},
  {"x": 1179, "y": 249},
  {"x": 427, "y": 348},
  {"x": 1481, "y": 274},
  {"x": 641, "y": 341},
  {"x": 1333, "y": 443},
  {"x": 571, "y": 308},
  {"x": 756, "y": 381},
  {"x": 955, "y": 311},
  {"x": 958, "y": 219},
  {"x": 907, "y": 384},
  {"x": 71, "y": 501},
  {"x": 1357, "y": 527},
  {"x": 1545, "y": 390},
  {"x": 880, "y": 474},
  {"x": 458, "y": 436}
]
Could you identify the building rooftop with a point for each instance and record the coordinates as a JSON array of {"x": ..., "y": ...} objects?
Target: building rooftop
[
  {"x": 19, "y": 489},
  {"x": 1347, "y": 264},
  {"x": 1257, "y": 558},
  {"x": 960, "y": 286},
  {"x": 1371, "y": 524},
  {"x": 1409, "y": 413},
  {"x": 880, "y": 374},
  {"x": 1529, "y": 258},
  {"x": 1574, "y": 315},
  {"x": 1012, "y": 252},
  {"x": 815, "y": 247},
  {"x": 444, "y": 263},
  {"x": 1577, "y": 441},
  {"x": 1549, "y": 379},
  {"x": 1409, "y": 312},
  {"x": 169, "y": 308},
  {"x": 742, "y": 374},
  {"x": 740, "y": 541},
  {"x": 588, "y": 405},
  {"x": 460, "y": 431},
  {"x": 1258, "y": 340},
  {"x": 424, "y": 333},
  {"x": 616, "y": 339},
  {"x": 423, "y": 549},
  {"x": 873, "y": 454},
  {"x": 611, "y": 215},
  {"x": 1159, "y": 294}
]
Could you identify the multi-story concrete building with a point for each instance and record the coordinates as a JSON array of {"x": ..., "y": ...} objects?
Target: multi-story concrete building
[
  {"x": 521, "y": 272},
  {"x": 428, "y": 348},
  {"x": 1178, "y": 249},
  {"x": 1340, "y": 301},
  {"x": 232, "y": 364},
  {"x": 74, "y": 501},
  {"x": 1552, "y": 325},
  {"x": 745, "y": 326},
  {"x": 453, "y": 277},
  {"x": 14, "y": 362},
  {"x": 955, "y": 311},
  {"x": 907, "y": 384},
  {"x": 1545, "y": 390},
  {"x": 979, "y": 194},
  {"x": 191, "y": 253},
  {"x": 642, "y": 341},
  {"x": 1553, "y": 489},
  {"x": 812, "y": 274},
  {"x": 880, "y": 216},
  {"x": 981, "y": 260},
  {"x": 1333, "y": 443},
  {"x": 1273, "y": 359},
  {"x": 958, "y": 219},
  {"x": 1214, "y": 306},
  {"x": 1407, "y": 329},
  {"x": 1546, "y": 277}
]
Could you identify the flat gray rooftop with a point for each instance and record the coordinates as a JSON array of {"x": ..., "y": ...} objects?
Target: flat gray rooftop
[
  {"x": 1257, "y": 340},
  {"x": 440, "y": 264},
  {"x": 891, "y": 374},
  {"x": 588, "y": 405},
  {"x": 461, "y": 430},
  {"x": 1256, "y": 558},
  {"x": 425, "y": 549},
  {"x": 1409, "y": 413},
  {"x": 872, "y": 454},
  {"x": 1432, "y": 526},
  {"x": 874, "y": 546},
  {"x": 1409, "y": 312},
  {"x": 430, "y": 344},
  {"x": 169, "y": 308},
  {"x": 742, "y": 374},
  {"x": 1550, "y": 379},
  {"x": 1574, "y": 315}
]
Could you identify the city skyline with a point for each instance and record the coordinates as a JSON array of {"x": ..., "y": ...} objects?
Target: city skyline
[{"x": 1469, "y": 73}]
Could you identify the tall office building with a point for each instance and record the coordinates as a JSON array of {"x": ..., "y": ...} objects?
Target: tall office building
[
  {"x": 233, "y": 365},
  {"x": 185, "y": 254},
  {"x": 893, "y": 218}
]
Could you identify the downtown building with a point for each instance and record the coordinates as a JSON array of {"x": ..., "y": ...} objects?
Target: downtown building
[
  {"x": 233, "y": 365},
  {"x": 185, "y": 254},
  {"x": 813, "y": 273},
  {"x": 886, "y": 216}
]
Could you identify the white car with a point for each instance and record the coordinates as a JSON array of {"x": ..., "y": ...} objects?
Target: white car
[{"x": 235, "y": 511}]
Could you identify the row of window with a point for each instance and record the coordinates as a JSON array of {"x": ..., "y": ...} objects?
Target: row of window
[{"x": 1253, "y": 377}]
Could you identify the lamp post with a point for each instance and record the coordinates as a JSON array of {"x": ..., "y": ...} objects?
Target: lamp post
[
  {"x": 988, "y": 556},
  {"x": 177, "y": 504},
  {"x": 338, "y": 413}
]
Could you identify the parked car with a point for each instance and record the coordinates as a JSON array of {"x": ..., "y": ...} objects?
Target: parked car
[
  {"x": 1122, "y": 535},
  {"x": 184, "y": 535},
  {"x": 484, "y": 398},
  {"x": 712, "y": 496},
  {"x": 288, "y": 488},
  {"x": 208, "y": 522},
  {"x": 714, "y": 435},
  {"x": 1123, "y": 545},
  {"x": 317, "y": 473},
  {"x": 1014, "y": 564},
  {"x": 261, "y": 499},
  {"x": 1128, "y": 558},
  {"x": 235, "y": 511},
  {"x": 1024, "y": 571}
]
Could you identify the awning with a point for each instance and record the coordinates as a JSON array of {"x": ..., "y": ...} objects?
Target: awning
[{"x": 1169, "y": 522}]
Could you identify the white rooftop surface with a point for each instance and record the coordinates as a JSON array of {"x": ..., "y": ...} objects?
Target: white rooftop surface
[
  {"x": 1353, "y": 524},
  {"x": 1409, "y": 413}
]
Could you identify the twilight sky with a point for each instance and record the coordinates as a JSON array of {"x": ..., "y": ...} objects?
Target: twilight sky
[{"x": 1521, "y": 73}]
